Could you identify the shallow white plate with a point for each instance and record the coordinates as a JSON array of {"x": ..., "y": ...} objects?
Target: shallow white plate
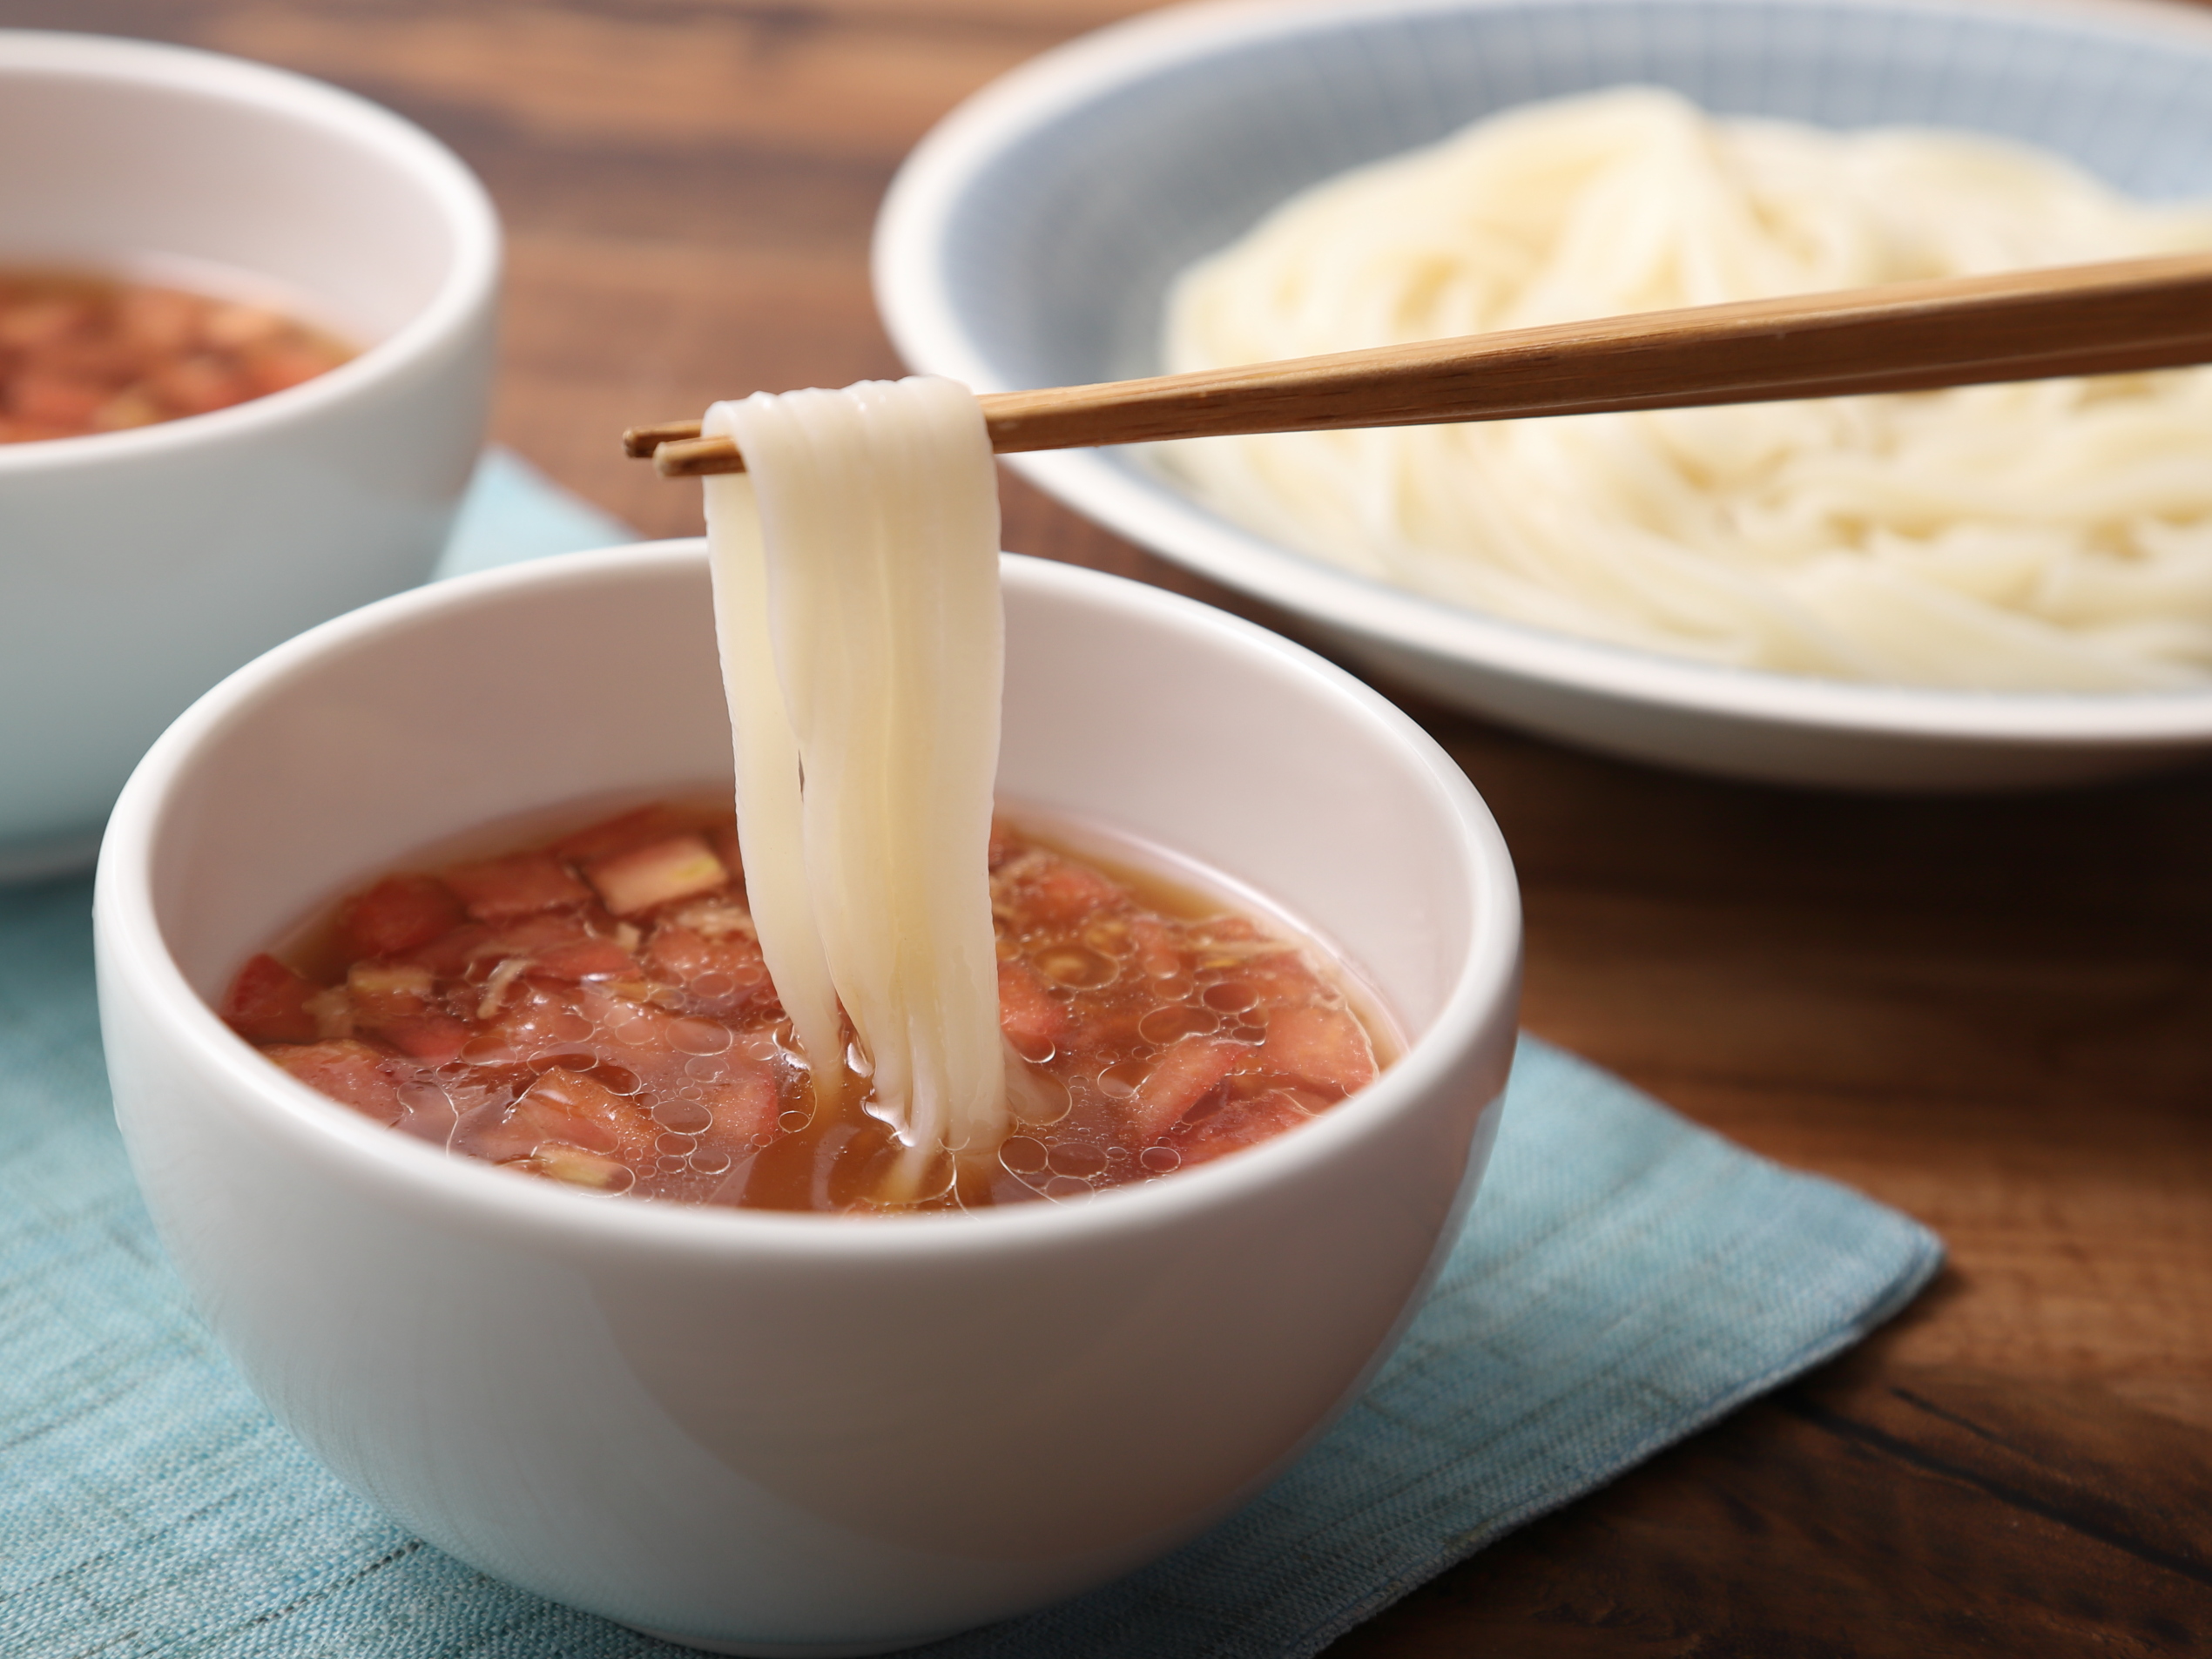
[{"x": 1029, "y": 241}]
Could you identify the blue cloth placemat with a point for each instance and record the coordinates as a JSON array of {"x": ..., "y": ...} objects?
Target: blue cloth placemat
[
  {"x": 1625, "y": 1278},
  {"x": 513, "y": 512}
]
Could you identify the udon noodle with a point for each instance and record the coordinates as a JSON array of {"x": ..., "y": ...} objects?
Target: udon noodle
[
  {"x": 2049, "y": 536},
  {"x": 856, "y": 595}
]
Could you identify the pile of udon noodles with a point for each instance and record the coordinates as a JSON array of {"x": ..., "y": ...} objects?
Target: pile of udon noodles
[
  {"x": 856, "y": 595},
  {"x": 2052, "y": 536}
]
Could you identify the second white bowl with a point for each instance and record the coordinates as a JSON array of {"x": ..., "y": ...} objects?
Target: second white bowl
[{"x": 138, "y": 568}]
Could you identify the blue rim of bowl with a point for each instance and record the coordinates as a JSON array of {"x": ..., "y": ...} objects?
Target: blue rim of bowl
[{"x": 924, "y": 326}]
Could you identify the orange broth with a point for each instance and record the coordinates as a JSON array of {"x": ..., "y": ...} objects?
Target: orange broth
[
  {"x": 82, "y": 354},
  {"x": 594, "y": 1010}
]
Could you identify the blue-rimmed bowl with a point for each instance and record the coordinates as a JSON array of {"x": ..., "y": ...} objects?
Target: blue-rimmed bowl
[{"x": 1030, "y": 240}]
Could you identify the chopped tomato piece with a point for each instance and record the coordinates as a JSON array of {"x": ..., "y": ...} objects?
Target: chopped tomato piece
[
  {"x": 1239, "y": 1123},
  {"x": 1064, "y": 892},
  {"x": 1155, "y": 951},
  {"x": 535, "y": 935},
  {"x": 506, "y": 889},
  {"x": 274, "y": 368},
  {"x": 1186, "y": 1074},
  {"x": 676, "y": 867},
  {"x": 385, "y": 990},
  {"x": 1098, "y": 1027},
  {"x": 646, "y": 1040},
  {"x": 532, "y": 1022},
  {"x": 745, "y": 1107},
  {"x": 1033, "y": 1019},
  {"x": 268, "y": 1002},
  {"x": 435, "y": 1039},
  {"x": 400, "y": 913},
  {"x": 565, "y": 1106},
  {"x": 584, "y": 958},
  {"x": 450, "y": 952},
  {"x": 1281, "y": 980},
  {"x": 683, "y": 957},
  {"x": 396, "y": 1001},
  {"x": 604, "y": 839},
  {"x": 1319, "y": 1045},
  {"x": 350, "y": 1071}
]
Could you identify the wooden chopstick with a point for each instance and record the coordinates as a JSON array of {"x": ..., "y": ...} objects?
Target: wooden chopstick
[{"x": 2116, "y": 317}]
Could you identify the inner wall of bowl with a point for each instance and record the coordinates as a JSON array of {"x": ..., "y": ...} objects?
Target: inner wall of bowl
[
  {"x": 112, "y": 170},
  {"x": 1056, "y": 257},
  {"x": 590, "y": 678}
]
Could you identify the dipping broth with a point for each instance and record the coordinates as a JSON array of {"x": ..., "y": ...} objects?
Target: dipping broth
[
  {"x": 595, "y": 1010},
  {"x": 83, "y": 353}
]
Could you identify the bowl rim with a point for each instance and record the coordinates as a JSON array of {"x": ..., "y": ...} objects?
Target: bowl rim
[
  {"x": 467, "y": 287},
  {"x": 925, "y": 326},
  {"x": 132, "y": 954}
]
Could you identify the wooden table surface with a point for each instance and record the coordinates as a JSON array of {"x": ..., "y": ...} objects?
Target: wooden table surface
[{"x": 1995, "y": 1015}]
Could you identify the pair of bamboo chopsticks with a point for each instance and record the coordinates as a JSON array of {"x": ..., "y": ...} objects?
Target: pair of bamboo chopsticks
[{"x": 2108, "y": 319}]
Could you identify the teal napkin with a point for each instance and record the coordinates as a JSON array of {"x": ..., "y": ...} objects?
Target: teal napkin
[
  {"x": 513, "y": 512},
  {"x": 1624, "y": 1278}
]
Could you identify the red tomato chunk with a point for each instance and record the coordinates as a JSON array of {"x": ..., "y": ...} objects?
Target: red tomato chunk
[{"x": 597, "y": 1012}]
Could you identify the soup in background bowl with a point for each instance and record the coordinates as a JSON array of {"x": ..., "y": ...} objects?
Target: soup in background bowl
[{"x": 752, "y": 1430}]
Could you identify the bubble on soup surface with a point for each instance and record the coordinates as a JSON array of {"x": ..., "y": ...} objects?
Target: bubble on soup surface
[
  {"x": 1160, "y": 1159},
  {"x": 1022, "y": 1154},
  {"x": 699, "y": 1037},
  {"x": 1035, "y": 1098},
  {"x": 1082, "y": 1159},
  {"x": 566, "y": 1059},
  {"x": 425, "y": 1098},
  {"x": 426, "y": 1112},
  {"x": 1065, "y": 1188},
  {"x": 682, "y": 1117},
  {"x": 1229, "y": 996},
  {"x": 1077, "y": 965},
  {"x": 1119, "y": 1081},
  {"x": 1163, "y": 1026},
  {"x": 709, "y": 1160},
  {"x": 1036, "y": 1050}
]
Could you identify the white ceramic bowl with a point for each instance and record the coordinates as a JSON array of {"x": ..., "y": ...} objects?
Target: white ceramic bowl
[
  {"x": 138, "y": 568},
  {"x": 775, "y": 1433},
  {"x": 1029, "y": 241}
]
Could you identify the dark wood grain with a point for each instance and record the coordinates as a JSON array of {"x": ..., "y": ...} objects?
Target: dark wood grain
[{"x": 1996, "y": 1014}]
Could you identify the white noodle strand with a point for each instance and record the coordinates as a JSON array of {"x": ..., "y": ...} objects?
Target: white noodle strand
[{"x": 879, "y": 510}]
